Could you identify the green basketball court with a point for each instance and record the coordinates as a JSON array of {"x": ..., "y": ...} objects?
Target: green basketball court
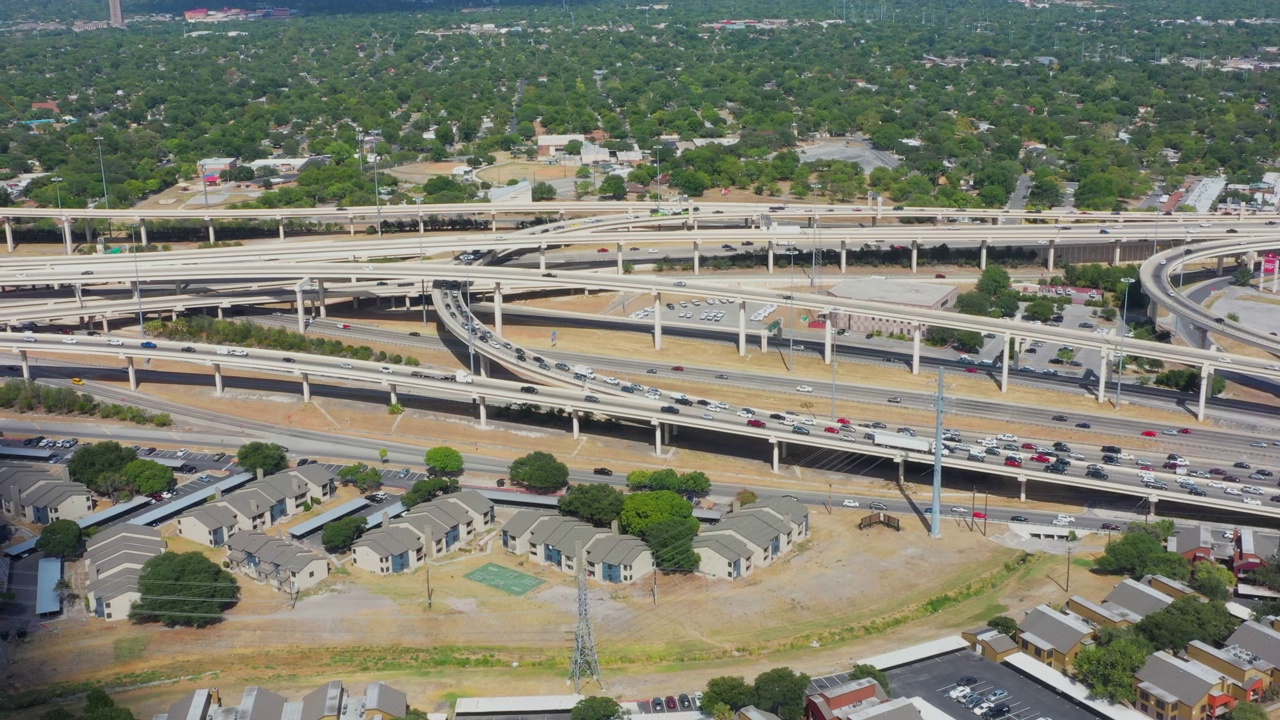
[{"x": 504, "y": 579}]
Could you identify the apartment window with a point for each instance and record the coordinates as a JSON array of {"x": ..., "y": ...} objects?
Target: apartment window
[
  {"x": 311, "y": 574},
  {"x": 1039, "y": 653},
  {"x": 1159, "y": 703},
  {"x": 1159, "y": 715},
  {"x": 1048, "y": 654},
  {"x": 1143, "y": 694},
  {"x": 1144, "y": 707}
]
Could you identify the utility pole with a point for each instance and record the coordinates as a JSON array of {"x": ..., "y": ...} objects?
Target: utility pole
[
  {"x": 973, "y": 503},
  {"x": 430, "y": 592},
  {"x": 935, "y": 525},
  {"x": 986, "y": 499},
  {"x": 655, "y": 586},
  {"x": 1069, "y": 548}
]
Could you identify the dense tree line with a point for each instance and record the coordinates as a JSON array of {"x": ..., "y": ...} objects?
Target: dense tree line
[
  {"x": 205, "y": 329},
  {"x": 28, "y": 396}
]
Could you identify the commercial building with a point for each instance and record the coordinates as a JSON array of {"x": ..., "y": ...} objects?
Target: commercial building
[
  {"x": 35, "y": 494},
  {"x": 1052, "y": 637},
  {"x": 844, "y": 700},
  {"x": 429, "y": 530},
  {"x": 276, "y": 562},
  {"x": 330, "y": 701},
  {"x": 548, "y": 538},
  {"x": 113, "y": 563},
  {"x": 551, "y": 145},
  {"x": 928, "y": 296}
]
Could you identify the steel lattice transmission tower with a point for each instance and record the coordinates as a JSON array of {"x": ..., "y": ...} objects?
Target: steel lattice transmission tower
[{"x": 586, "y": 663}]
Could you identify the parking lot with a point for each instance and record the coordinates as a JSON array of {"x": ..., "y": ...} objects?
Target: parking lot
[{"x": 935, "y": 678}]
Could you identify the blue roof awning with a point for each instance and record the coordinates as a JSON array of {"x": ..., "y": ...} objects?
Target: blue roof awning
[{"x": 47, "y": 600}]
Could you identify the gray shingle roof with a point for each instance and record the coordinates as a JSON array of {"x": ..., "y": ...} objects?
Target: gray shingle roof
[
  {"x": 725, "y": 545},
  {"x": 324, "y": 701},
  {"x": 616, "y": 549},
  {"x": 523, "y": 520},
  {"x": 1060, "y": 631},
  {"x": 472, "y": 499},
  {"x": 249, "y": 501},
  {"x": 275, "y": 551},
  {"x": 389, "y": 541},
  {"x": 260, "y": 704},
  {"x": 784, "y": 506},
  {"x": 1259, "y": 639},
  {"x": 1138, "y": 598},
  {"x": 115, "y": 585},
  {"x": 314, "y": 474},
  {"x": 103, "y": 552},
  {"x": 383, "y": 697},
  {"x": 213, "y": 515},
  {"x": 1186, "y": 680},
  {"x": 759, "y": 528},
  {"x": 108, "y": 534}
]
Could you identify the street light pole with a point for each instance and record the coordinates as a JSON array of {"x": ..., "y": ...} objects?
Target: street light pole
[
  {"x": 791, "y": 312},
  {"x": 422, "y": 258},
  {"x": 57, "y": 186},
  {"x": 835, "y": 364},
  {"x": 935, "y": 519},
  {"x": 106, "y": 196},
  {"x": 377, "y": 194},
  {"x": 1124, "y": 332}
]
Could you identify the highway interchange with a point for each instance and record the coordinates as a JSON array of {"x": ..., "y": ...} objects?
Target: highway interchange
[{"x": 295, "y": 262}]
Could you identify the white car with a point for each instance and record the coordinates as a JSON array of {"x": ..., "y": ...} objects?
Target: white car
[
  {"x": 744, "y": 413},
  {"x": 1232, "y": 491},
  {"x": 1007, "y": 437},
  {"x": 808, "y": 421},
  {"x": 182, "y": 452},
  {"x": 70, "y": 340},
  {"x": 1251, "y": 501},
  {"x": 653, "y": 251},
  {"x": 804, "y": 388},
  {"x": 959, "y": 510},
  {"x": 983, "y": 708},
  {"x": 611, "y": 381},
  {"x": 114, "y": 341},
  {"x": 789, "y": 422},
  {"x": 367, "y": 267},
  {"x": 347, "y": 366},
  {"x": 385, "y": 370},
  {"x": 850, "y": 503},
  {"x": 1216, "y": 484},
  {"x": 958, "y": 691}
]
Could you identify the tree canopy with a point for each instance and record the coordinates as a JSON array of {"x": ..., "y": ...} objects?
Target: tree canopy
[
  {"x": 60, "y": 539},
  {"x": 428, "y": 489},
  {"x": 1185, "y": 619},
  {"x": 863, "y": 670},
  {"x": 89, "y": 464},
  {"x": 691, "y": 484},
  {"x": 338, "y": 536},
  {"x": 148, "y": 476},
  {"x": 268, "y": 457},
  {"x": 731, "y": 691},
  {"x": 671, "y": 542},
  {"x": 365, "y": 477},
  {"x": 596, "y": 708},
  {"x": 596, "y": 503},
  {"x": 444, "y": 459},
  {"x": 1140, "y": 551},
  {"x": 1108, "y": 666},
  {"x": 781, "y": 692},
  {"x": 183, "y": 589},
  {"x": 540, "y": 472},
  {"x": 640, "y": 510}
]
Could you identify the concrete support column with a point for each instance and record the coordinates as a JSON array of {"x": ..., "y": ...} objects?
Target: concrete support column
[
  {"x": 484, "y": 366},
  {"x": 770, "y": 257},
  {"x": 105, "y": 329},
  {"x": 774, "y": 443},
  {"x": 217, "y": 378},
  {"x": 324, "y": 309},
  {"x": 497, "y": 308},
  {"x": 66, "y": 234},
  {"x": 657, "y": 321},
  {"x": 1052, "y": 246},
  {"x": 88, "y": 231},
  {"x": 697, "y": 257},
  {"x": 1115, "y": 254},
  {"x": 915, "y": 254},
  {"x": 619, "y": 258},
  {"x": 302, "y": 311},
  {"x": 902, "y": 469},
  {"x": 982, "y": 256},
  {"x": 142, "y": 231},
  {"x": 219, "y": 308},
  {"x": 542, "y": 257},
  {"x": 1206, "y": 381},
  {"x": 826, "y": 338},
  {"x": 133, "y": 374},
  {"x": 1005, "y": 359},
  {"x": 422, "y": 230},
  {"x": 306, "y": 388},
  {"x": 484, "y": 411},
  {"x": 351, "y": 222},
  {"x": 844, "y": 252},
  {"x": 657, "y": 438},
  {"x": 26, "y": 365},
  {"x": 764, "y": 340},
  {"x": 1221, "y": 265},
  {"x": 280, "y": 222},
  {"x": 8, "y": 233},
  {"x": 1022, "y": 488},
  {"x": 395, "y": 397},
  {"x": 573, "y": 415},
  {"x": 1102, "y": 376},
  {"x": 782, "y": 447},
  {"x": 209, "y": 224},
  {"x": 915, "y": 349},
  {"x": 742, "y": 328}
]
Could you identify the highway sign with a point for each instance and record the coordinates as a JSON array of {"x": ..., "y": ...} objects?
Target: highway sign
[
  {"x": 1269, "y": 262},
  {"x": 774, "y": 326}
]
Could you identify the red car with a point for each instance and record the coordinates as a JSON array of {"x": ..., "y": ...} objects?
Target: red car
[
  {"x": 843, "y": 421},
  {"x": 1184, "y": 431},
  {"x": 1148, "y": 433},
  {"x": 1041, "y": 459},
  {"x": 602, "y": 249},
  {"x": 678, "y": 368},
  {"x": 831, "y": 430},
  {"x": 979, "y": 515},
  {"x": 1013, "y": 462},
  {"x": 1029, "y": 446},
  {"x": 345, "y": 326},
  {"x": 973, "y": 370},
  {"x": 755, "y": 423}
]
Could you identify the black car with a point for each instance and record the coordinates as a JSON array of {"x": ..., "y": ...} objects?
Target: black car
[
  {"x": 1109, "y": 527},
  {"x": 1193, "y": 490},
  {"x": 289, "y": 360},
  {"x": 722, "y": 377},
  {"x": 415, "y": 333},
  {"x": 603, "y": 471},
  {"x": 1059, "y": 418},
  {"x": 685, "y": 702},
  {"x": 562, "y": 366},
  {"x": 800, "y": 430},
  {"x": 1056, "y": 469},
  {"x": 1061, "y": 446},
  {"x": 149, "y": 451},
  {"x": 657, "y": 705},
  {"x": 682, "y": 401},
  {"x": 878, "y": 506},
  {"x": 529, "y": 389},
  {"x": 188, "y": 349},
  {"x": 878, "y": 426},
  {"x": 591, "y": 399},
  {"x": 998, "y": 711},
  {"x": 1097, "y": 475},
  {"x": 777, "y": 416},
  {"x": 1242, "y": 465},
  {"x": 670, "y": 409},
  {"x": 1018, "y": 518},
  {"x": 1083, "y": 425},
  {"x": 967, "y": 681}
]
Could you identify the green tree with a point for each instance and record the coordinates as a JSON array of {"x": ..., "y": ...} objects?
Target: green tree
[
  {"x": 863, "y": 670},
  {"x": 148, "y": 476},
  {"x": 731, "y": 691},
  {"x": 1242, "y": 276},
  {"x": 1108, "y": 667},
  {"x": 781, "y": 692},
  {"x": 268, "y": 457},
  {"x": 642, "y": 509},
  {"x": 1040, "y": 309},
  {"x": 88, "y": 464},
  {"x": 60, "y": 539},
  {"x": 613, "y": 188},
  {"x": 1266, "y": 609},
  {"x": 365, "y": 477},
  {"x": 339, "y": 535},
  {"x": 973, "y": 303},
  {"x": 1185, "y": 619},
  {"x": 746, "y": 497},
  {"x": 596, "y": 708},
  {"x": 428, "y": 489},
  {"x": 543, "y": 191},
  {"x": 1140, "y": 550},
  {"x": 185, "y": 589},
  {"x": 573, "y": 147},
  {"x": 596, "y": 503},
  {"x": 1212, "y": 580},
  {"x": 1004, "y": 624},
  {"x": 1248, "y": 711},
  {"x": 994, "y": 280},
  {"x": 671, "y": 542},
  {"x": 540, "y": 472},
  {"x": 445, "y": 460},
  {"x": 695, "y": 484}
]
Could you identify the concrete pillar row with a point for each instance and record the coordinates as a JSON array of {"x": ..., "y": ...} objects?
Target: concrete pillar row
[
  {"x": 1103, "y": 364},
  {"x": 351, "y": 222},
  {"x": 8, "y": 233},
  {"x": 324, "y": 308},
  {"x": 133, "y": 374},
  {"x": 219, "y": 309},
  {"x": 395, "y": 396},
  {"x": 280, "y": 222},
  {"x": 742, "y": 328},
  {"x": 657, "y": 438},
  {"x": 542, "y": 257},
  {"x": 844, "y": 253},
  {"x": 770, "y": 257},
  {"x": 302, "y": 310},
  {"x": 104, "y": 324},
  {"x": 619, "y": 257},
  {"x": 1004, "y": 364},
  {"x": 573, "y": 414},
  {"x": 217, "y": 379},
  {"x": 484, "y": 412},
  {"x": 657, "y": 320},
  {"x": 826, "y": 337},
  {"x": 915, "y": 349},
  {"x": 776, "y": 458},
  {"x": 142, "y": 230},
  {"x": 26, "y": 364},
  {"x": 1052, "y": 247},
  {"x": 1206, "y": 381},
  {"x": 764, "y": 340},
  {"x": 422, "y": 228},
  {"x": 66, "y": 235},
  {"x": 1115, "y": 254},
  {"x": 209, "y": 224},
  {"x": 915, "y": 255},
  {"x": 497, "y": 308},
  {"x": 306, "y": 388},
  {"x": 697, "y": 257},
  {"x": 982, "y": 256},
  {"x": 1022, "y": 488}
]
